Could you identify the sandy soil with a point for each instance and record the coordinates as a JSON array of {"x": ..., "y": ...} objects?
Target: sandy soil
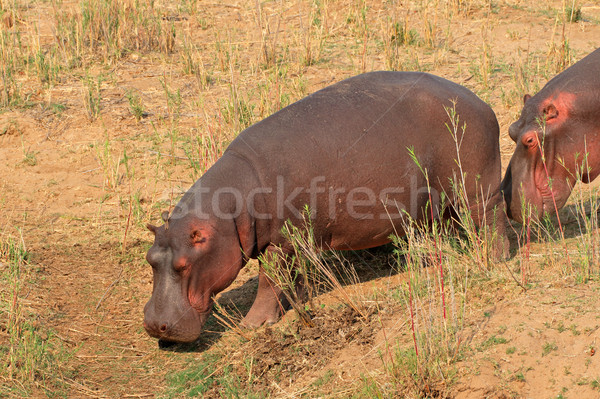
[{"x": 81, "y": 209}]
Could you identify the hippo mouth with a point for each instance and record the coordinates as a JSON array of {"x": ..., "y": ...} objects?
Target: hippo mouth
[
  {"x": 178, "y": 332},
  {"x": 545, "y": 193},
  {"x": 539, "y": 194},
  {"x": 552, "y": 199}
]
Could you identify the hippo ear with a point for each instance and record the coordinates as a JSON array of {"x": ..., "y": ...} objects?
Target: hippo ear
[
  {"x": 152, "y": 228},
  {"x": 164, "y": 216},
  {"x": 197, "y": 237},
  {"x": 526, "y": 97},
  {"x": 550, "y": 112}
]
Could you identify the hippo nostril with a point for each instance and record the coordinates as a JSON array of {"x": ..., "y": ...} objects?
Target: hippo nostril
[{"x": 163, "y": 328}]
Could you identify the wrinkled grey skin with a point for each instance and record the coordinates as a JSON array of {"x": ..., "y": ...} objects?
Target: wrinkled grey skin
[
  {"x": 562, "y": 121},
  {"x": 344, "y": 141}
]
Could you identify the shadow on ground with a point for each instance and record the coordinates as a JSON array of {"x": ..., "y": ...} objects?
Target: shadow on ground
[{"x": 369, "y": 264}]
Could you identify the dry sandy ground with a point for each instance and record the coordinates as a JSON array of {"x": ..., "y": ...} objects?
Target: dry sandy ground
[{"x": 64, "y": 190}]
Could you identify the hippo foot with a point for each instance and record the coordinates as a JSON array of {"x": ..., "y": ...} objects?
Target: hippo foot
[
  {"x": 503, "y": 253},
  {"x": 267, "y": 309},
  {"x": 258, "y": 316},
  {"x": 500, "y": 250}
]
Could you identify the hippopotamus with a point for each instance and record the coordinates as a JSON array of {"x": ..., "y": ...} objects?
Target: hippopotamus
[
  {"x": 556, "y": 140},
  {"x": 361, "y": 155}
]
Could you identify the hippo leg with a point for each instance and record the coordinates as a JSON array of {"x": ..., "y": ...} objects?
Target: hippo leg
[
  {"x": 268, "y": 305},
  {"x": 270, "y": 302},
  {"x": 501, "y": 245},
  {"x": 493, "y": 226}
]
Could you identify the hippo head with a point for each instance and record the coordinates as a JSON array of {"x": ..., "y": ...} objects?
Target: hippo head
[
  {"x": 552, "y": 139},
  {"x": 192, "y": 260}
]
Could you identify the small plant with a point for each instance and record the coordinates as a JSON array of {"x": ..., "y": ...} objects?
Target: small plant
[
  {"x": 482, "y": 240},
  {"x": 269, "y": 40},
  {"x": 238, "y": 111},
  {"x": 204, "y": 150},
  {"x": 111, "y": 166},
  {"x": 549, "y": 347},
  {"x": 395, "y": 35},
  {"x": 229, "y": 320},
  {"x": 573, "y": 13},
  {"x": 57, "y": 109},
  {"x": 10, "y": 89},
  {"x": 587, "y": 206},
  {"x": 486, "y": 60},
  {"x": 92, "y": 96},
  {"x": 173, "y": 98},
  {"x": 29, "y": 157},
  {"x": 193, "y": 64},
  {"x": 323, "y": 380},
  {"x": 45, "y": 70},
  {"x": 313, "y": 32},
  {"x": 369, "y": 389},
  {"x": 492, "y": 341},
  {"x": 574, "y": 330},
  {"x": 560, "y": 56},
  {"x": 435, "y": 320},
  {"x": 135, "y": 105},
  {"x": 402, "y": 35},
  {"x": 520, "y": 376}
]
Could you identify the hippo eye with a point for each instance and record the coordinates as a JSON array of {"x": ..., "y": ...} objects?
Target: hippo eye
[{"x": 530, "y": 140}]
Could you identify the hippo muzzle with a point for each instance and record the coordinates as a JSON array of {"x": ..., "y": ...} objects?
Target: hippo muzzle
[
  {"x": 169, "y": 315},
  {"x": 182, "y": 326}
]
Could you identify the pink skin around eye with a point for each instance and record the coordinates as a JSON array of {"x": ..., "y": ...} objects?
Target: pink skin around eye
[{"x": 530, "y": 140}]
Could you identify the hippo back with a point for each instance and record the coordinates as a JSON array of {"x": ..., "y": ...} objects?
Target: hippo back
[{"x": 357, "y": 134}]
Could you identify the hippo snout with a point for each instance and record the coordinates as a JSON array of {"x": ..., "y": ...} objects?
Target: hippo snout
[
  {"x": 162, "y": 332},
  {"x": 180, "y": 324},
  {"x": 156, "y": 330},
  {"x": 181, "y": 331}
]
